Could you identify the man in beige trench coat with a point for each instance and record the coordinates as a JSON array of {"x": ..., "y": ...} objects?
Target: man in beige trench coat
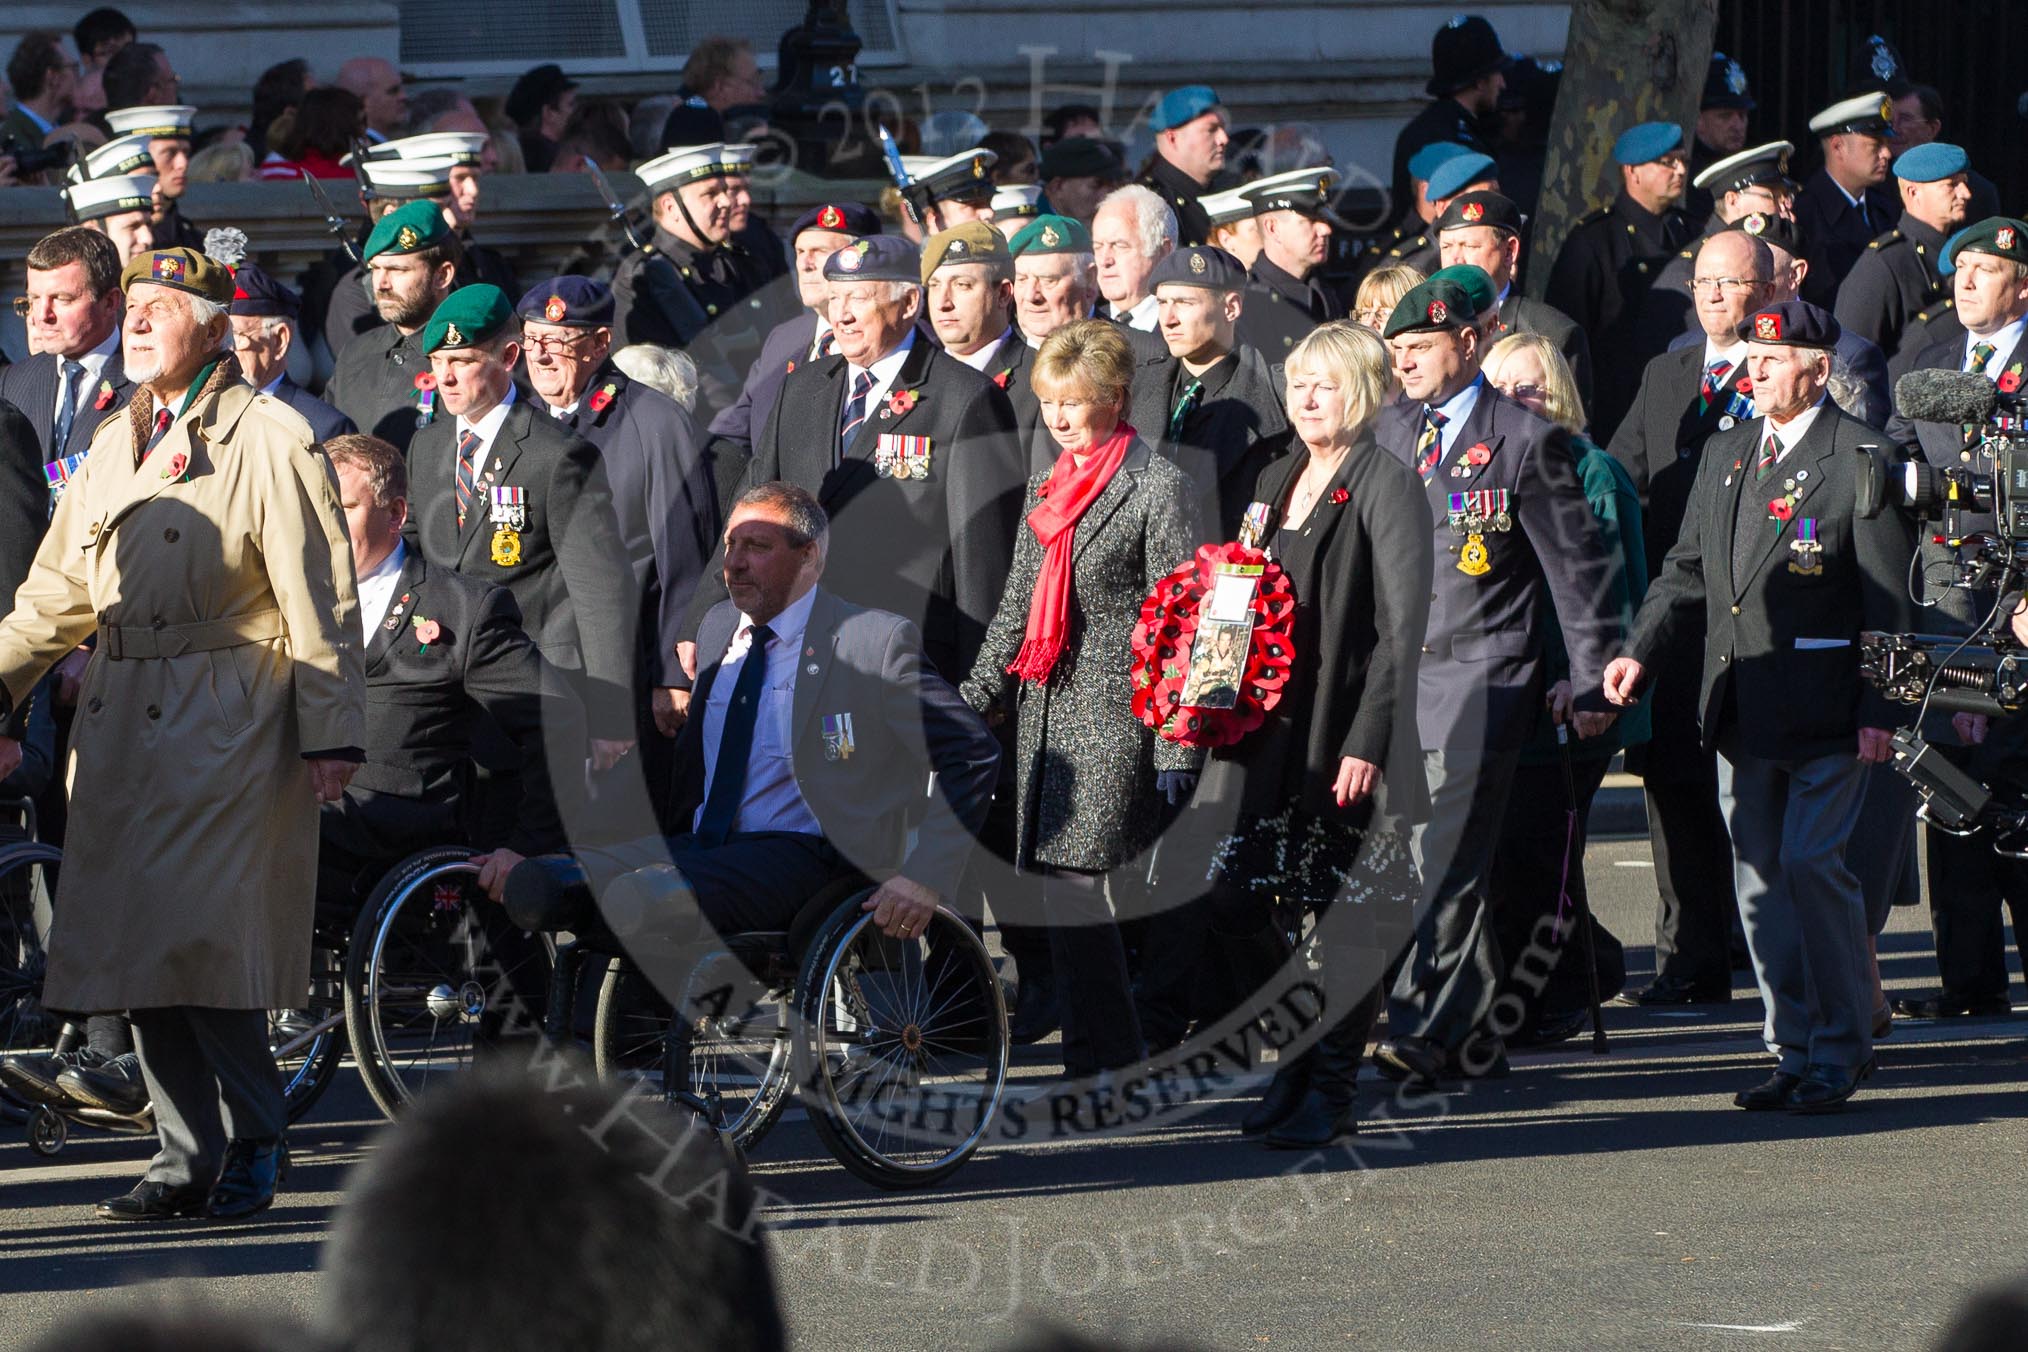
[{"x": 203, "y": 542}]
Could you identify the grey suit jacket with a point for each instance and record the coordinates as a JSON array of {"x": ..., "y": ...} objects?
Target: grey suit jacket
[{"x": 907, "y": 723}]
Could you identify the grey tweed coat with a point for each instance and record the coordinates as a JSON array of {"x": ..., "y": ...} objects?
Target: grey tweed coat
[{"x": 1084, "y": 765}]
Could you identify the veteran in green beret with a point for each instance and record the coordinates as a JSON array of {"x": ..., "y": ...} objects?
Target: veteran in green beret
[
  {"x": 382, "y": 382},
  {"x": 502, "y": 492},
  {"x": 1055, "y": 275},
  {"x": 201, "y": 541}
]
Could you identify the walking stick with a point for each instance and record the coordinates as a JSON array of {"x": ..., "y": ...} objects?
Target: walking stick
[{"x": 1598, "y": 1034}]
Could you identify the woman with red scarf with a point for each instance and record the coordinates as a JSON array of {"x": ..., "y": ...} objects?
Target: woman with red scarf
[{"x": 1106, "y": 522}]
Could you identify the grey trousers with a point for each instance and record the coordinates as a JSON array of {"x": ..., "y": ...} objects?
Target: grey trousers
[
  {"x": 1447, "y": 985},
  {"x": 213, "y": 1080},
  {"x": 1803, "y": 910}
]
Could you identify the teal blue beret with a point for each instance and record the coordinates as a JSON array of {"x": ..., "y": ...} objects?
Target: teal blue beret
[
  {"x": 1459, "y": 172},
  {"x": 1424, "y": 162},
  {"x": 467, "y": 317},
  {"x": 1647, "y": 143},
  {"x": 1928, "y": 163},
  {"x": 1178, "y": 106}
]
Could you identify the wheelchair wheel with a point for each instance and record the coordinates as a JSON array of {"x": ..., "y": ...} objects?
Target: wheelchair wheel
[
  {"x": 27, "y": 880},
  {"x": 309, "y": 1042},
  {"x": 432, "y": 975},
  {"x": 901, "y": 1046},
  {"x": 47, "y": 1131},
  {"x": 738, "y": 1047}
]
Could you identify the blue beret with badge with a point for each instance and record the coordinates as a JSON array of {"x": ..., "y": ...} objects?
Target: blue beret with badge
[
  {"x": 1201, "y": 265},
  {"x": 467, "y": 317},
  {"x": 1646, "y": 143},
  {"x": 1793, "y": 323},
  {"x": 877, "y": 258},
  {"x": 1930, "y": 163},
  {"x": 844, "y": 218},
  {"x": 1179, "y": 106},
  {"x": 1460, "y": 172},
  {"x": 572, "y": 301}
]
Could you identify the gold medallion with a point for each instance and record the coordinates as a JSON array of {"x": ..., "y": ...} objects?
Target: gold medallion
[
  {"x": 507, "y": 547},
  {"x": 1472, "y": 558}
]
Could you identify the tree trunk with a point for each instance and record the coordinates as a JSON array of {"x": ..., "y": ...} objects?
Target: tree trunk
[{"x": 1625, "y": 62}]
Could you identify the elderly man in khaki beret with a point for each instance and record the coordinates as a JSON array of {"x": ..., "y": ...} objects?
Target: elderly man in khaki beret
[{"x": 202, "y": 542}]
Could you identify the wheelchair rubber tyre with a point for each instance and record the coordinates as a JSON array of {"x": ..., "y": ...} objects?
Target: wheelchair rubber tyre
[
  {"x": 420, "y": 987},
  {"x": 27, "y": 867},
  {"x": 740, "y": 1085},
  {"x": 309, "y": 1070},
  {"x": 919, "y": 1024},
  {"x": 47, "y": 1131}
]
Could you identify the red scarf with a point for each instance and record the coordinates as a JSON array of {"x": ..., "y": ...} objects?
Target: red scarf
[{"x": 1066, "y": 495}]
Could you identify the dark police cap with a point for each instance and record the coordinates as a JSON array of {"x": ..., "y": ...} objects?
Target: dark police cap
[
  {"x": 259, "y": 296},
  {"x": 846, "y": 218},
  {"x": 467, "y": 317},
  {"x": 1200, "y": 265},
  {"x": 2000, "y": 236},
  {"x": 1463, "y": 52},
  {"x": 1081, "y": 157},
  {"x": 1793, "y": 323},
  {"x": 1725, "y": 85},
  {"x": 1780, "y": 231},
  {"x": 1438, "y": 303},
  {"x": 572, "y": 301},
  {"x": 1481, "y": 208},
  {"x": 877, "y": 258}
]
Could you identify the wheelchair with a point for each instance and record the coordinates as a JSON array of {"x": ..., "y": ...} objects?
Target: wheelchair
[{"x": 898, "y": 1049}]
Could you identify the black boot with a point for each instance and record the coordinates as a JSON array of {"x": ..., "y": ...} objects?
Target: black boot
[
  {"x": 1035, "y": 1009},
  {"x": 1285, "y": 1094},
  {"x": 246, "y": 1182},
  {"x": 1330, "y": 1111}
]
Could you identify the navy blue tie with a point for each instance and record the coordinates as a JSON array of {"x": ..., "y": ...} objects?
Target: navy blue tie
[
  {"x": 735, "y": 743},
  {"x": 66, "y": 408}
]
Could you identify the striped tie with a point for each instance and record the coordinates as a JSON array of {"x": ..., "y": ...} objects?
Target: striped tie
[
  {"x": 467, "y": 475},
  {"x": 1714, "y": 381},
  {"x": 1770, "y": 451},
  {"x": 1429, "y": 447},
  {"x": 855, "y": 410},
  {"x": 827, "y": 343},
  {"x": 1981, "y": 354}
]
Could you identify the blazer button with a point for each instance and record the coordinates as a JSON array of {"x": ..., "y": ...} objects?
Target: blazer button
[
  {"x": 95, "y": 704},
  {"x": 1725, "y": 657},
  {"x": 155, "y": 623},
  {"x": 1735, "y": 610},
  {"x": 92, "y": 529},
  {"x": 154, "y": 711},
  {"x": 172, "y": 535}
]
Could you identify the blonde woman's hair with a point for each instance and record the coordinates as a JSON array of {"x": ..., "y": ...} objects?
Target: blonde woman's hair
[
  {"x": 1560, "y": 402},
  {"x": 1352, "y": 355},
  {"x": 1383, "y": 288},
  {"x": 226, "y": 162},
  {"x": 1087, "y": 357}
]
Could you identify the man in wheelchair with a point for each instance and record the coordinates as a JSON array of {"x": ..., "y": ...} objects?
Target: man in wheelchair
[{"x": 814, "y": 731}]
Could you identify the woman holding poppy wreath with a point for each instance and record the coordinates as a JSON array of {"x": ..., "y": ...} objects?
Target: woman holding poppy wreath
[
  {"x": 1102, "y": 526},
  {"x": 1311, "y": 810}
]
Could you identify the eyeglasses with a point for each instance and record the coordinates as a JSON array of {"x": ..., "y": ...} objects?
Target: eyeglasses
[
  {"x": 1721, "y": 283},
  {"x": 1373, "y": 314},
  {"x": 552, "y": 344},
  {"x": 1526, "y": 392}
]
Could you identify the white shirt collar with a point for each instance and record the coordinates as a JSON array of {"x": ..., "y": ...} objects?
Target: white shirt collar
[
  {"x": 1731, "y": 356},
  {"x": 488, "y": 427},
  {"x": 986, "y": 355},
  {"x": 2005, "y": 340},
  {"x": 1787, "y": 434},
  {"x": 1142, "y": 316},
  {"x": 94, "y": 361},
  {"x": 376, "y": 589},
  {"x": 884, "y": 368},
  {"x": 786, "y": 627}
]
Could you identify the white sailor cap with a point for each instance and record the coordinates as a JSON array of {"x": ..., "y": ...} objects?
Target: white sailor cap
[
  {"x": 459, "y": 147},
  {"x": 1756, "y": 165},
  {"x": 409, "y": 178},
  {"x": 1303, "y": 190},
  {"x": 1870, "y": 114},
  {"x": 168, "y": 120},
  {"x": 685, "y": 164},
  {"x": 954, "y": 177},
  {"x": 99, "y": 198},
  {"x": 1223, "y": 208},
  {"x": 121, "y": 155},
  {"x": 1017, "y": 199},
  {"x": 737, "y": 158}
]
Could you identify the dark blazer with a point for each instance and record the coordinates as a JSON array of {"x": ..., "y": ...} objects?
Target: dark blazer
[
  {"x": 1600, "y": 280},
  {"x": 1278, "y": 310},
  {"x": 1482, "y": 675},
  {"x": 31, "y": 387},
  {"x": 1519, "y": 314},
  {"x": 423, "y": 703},
  {"x": 907, "y": 724},
  {"x": 1835, "y": 234},
  {"x": 716, "y": 304},
  {"x": 1781, "y": 648},
  {"x": 786, "y": 346},
  {"x": 1236, "y": 429},
  {"x": 1662, "y": 438},
  {"x": 1939, "y": 443},
  {"x": 1361, "y": 605},
  {"x": 325, "y": 421},
  {"x": 1085, "y": 768},
  {"x": 24, "y": 516},
  {"x": 572, "y": 580},
  {"x": 933, "y": 550},
  {"x": 374, "y": 384},
  {"x": 1933, "y": 325},
  {"x": 1856, "y": 359},
  {"x": 1892, "y": 282},
  {"x": 662, "y": 490}
]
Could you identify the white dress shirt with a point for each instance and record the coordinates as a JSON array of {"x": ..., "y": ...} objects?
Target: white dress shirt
[
  {"x": 884, "y": 370},
  {"x": 984, "y": 357},
  {"x": 488, "y": 428},
  {"x": 1731, "y": 356},
  {"x": 770, "y": 800},
  {"x": 2004, "y": 341},
  {"x": 1788, "y": 434},
  {"x": 1143, "y": 316},
  {"x": 376, "y": 590},
  {"x": 86, "y": 391},
  {"x": 1454, "y": 411}
]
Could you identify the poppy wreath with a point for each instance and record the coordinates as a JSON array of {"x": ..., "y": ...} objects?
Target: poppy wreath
[{"x": 1162, "y": 640}]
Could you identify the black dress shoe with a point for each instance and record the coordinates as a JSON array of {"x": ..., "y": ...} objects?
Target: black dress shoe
[
  {"x": 1668, "y": 990},
  {"x": 151, "y": 1201},
  {"x": 115, "y": 1087},
  {"x": 1035, "y": 1016},
  {"x": 1948, "y": 1007},
  {"x": 1550, "y": 1029},
  {"x": 32, "y": 1078},
  {"x": 246, "y": 1182},
  {"x": 1411, "y": 1058},
  {"x": 1824, "y": 1088},
  {"x": 1770, "y": 1095},
  {"x": 1284, "y": 1096},
  {"x": 548, "y": 892},
  {"x": 1315, "y": 1123}
]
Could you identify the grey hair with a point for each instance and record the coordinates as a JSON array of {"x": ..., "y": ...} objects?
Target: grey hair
[
  {"x": 804, "y": 516},
  {"x": 672, "y": 372},
  {"x": 1154, "y": 220},
  {"x": 204, "y": 311}
]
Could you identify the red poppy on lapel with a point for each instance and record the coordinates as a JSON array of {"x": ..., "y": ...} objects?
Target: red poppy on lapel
[
  {"x": 1340, "y": 495},
  {"x": 1745, "y": 386},
  {"x": 1781, "y": 509},
  {"x": 1479, "y": 454},
  {"x": 901, "y": 401},
  {"x": 105, "y": 399},
  {"x": 1001, "y": 379},
  {"x": 425, "y": 381},
  {"x": 178, "y": 463},
  {"x": 604, "y": 398},
  {"x": 427, "y": 631},
  {"x": 2011, "y": 381}
]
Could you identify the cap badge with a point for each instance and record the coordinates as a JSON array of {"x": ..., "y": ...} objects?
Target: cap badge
[
  {"x": 452, "y": 338},
  {"x": 1473, "y": 211},
  {"x": 407, "y": 238},
  {"x": 957, "y": 246},
  {"x": 978, "y": 166},
  {"x": 2004, "y": 237},
  {"x": 1050, "y": 237},
  {"x": 1197, "y": 263},
  {"x": 1438, "y": 312},
  {"x": 1735, "y": 78},
  {"x": 1767, "y": 328},
  {"x": 1754, "y": 223},
  {"x": 169, "y": 268},
  {"x": 554, "y": 310},
  {"x": 1886, "y": 110},
  {"x": 830, "y": 218},
  {"x": 848, "y": 260},
  {"x": 1882, "y": 64}
]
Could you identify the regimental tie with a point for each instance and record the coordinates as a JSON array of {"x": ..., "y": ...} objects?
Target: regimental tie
[
  {"x": 1714, "y": 381},
  {"x": 1770, "y": 451},
  {"x": 1981, "y": 354},
  {"x": 854, "y": 413},
  {"x": 1429, "y": 447},
  {"x": 1192, "y": 392},
  {"x": 827, "y": 343},
  {"x": 66, "y": 408},
  {"x": 468, "y": 446},
  {"x": 163, "y": 417},
  {"x": 735, "y": 742}
]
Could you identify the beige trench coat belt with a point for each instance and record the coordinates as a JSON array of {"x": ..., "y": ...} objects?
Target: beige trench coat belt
[{"x": 136, "y": 641}]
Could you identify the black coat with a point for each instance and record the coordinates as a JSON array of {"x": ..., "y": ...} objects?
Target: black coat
[
  {"x": 1234, "y": 431},
  {"x": 423, "y": 705},
  {"x": 1279, "y": 310},
  {"x": 787, "y": 344},
  {"x": 572, "y": 581},
  {"x": 31, "y": 387},
  {"x": 716, "y": 304},
  {"x": 1857, "y": 359},
  {"x": 1442, "y": 119},
  {"x": 1781, "y": 648},
  {"x": 1360, "y": 612},
  {"x": 24, "y": 516},
  {"x": 1894, "y": 281},
  {"x": 374, "y": 384},
  {"x": 1483, "y": 673},
  {"x": 1835, "y": 234},
  {"x": 1181, "y": 192},
  {"x": 933, "y": 550},
  {"x": 1600, "y": 279},
  {"x": 666, "y": 501},
  {"x": 325, "y": 421}
]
